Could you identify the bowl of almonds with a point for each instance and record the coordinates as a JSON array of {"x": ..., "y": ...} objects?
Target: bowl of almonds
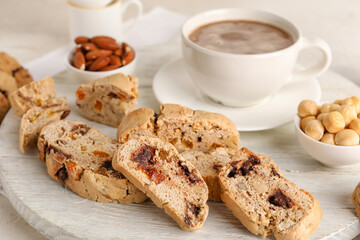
[
  {"x": 330, "y": 132},
  {"x": 99, "y": 56}
]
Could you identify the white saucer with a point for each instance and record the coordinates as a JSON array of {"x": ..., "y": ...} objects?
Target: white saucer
[{"x": 172, "y": 84}]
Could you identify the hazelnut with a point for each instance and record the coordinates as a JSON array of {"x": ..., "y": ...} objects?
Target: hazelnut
[
  {"x": 321, "y": 116},
  {"x": 334, "y": 122},
  {"x": 355, "y": 125},
  {"x": 314, "y": 129},
  {"x": 305, "y": 120},
  {"x": 347, "y": 137},
  {"x": 328, "y": 138},
  {"x": 334, "y": 107},
  {"x": 325, "y": 108},
  {"x": 307, "y": 108},
  {"x": 339, "y": 102},
  {"x": 349, "y": 113},
  {"x": 356, "y": 103}
]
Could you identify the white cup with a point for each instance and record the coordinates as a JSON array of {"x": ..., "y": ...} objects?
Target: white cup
[
  {"x": 102, "y": 20},
  {"x": 243, "y": 80}
]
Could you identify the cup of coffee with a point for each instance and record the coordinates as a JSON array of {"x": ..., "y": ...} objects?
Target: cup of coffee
[
  {"x": 88, "y": 18},
  {"x": 242, "y": 57}
]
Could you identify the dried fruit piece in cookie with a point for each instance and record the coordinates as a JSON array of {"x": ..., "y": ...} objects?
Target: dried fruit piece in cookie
[
  {"x": 172, "y": 183},
  {"x": 264, "y": 201}
]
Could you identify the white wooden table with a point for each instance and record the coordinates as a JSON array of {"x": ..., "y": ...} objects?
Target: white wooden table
[{"x": 59, "y": 214}]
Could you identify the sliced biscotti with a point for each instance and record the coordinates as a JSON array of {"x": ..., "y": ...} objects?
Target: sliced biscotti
[
  {"x": 4, "y": 106},
  {"x": 11, "y": 66},
  {"x": 108, "y": 100},
  {"x": 265, "y": 202},
  {"x": 183, "y": 127},
  {"x": 356, "y": 199},
  {"x": 210, "y": 164},
  {"x": 81, "y": 157},
  {"x": 37, "y": 117},
  {"x": 32, "y": 94},
  {"x": 172, "y": 183}
]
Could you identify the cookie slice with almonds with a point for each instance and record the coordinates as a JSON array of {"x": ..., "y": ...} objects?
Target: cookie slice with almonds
[
  {"x": 108, "y": 100},
  {"x": 38, "y": 117},
  {"x": 171, "y": 182},
  {"x": 81, "y": 158},
  {"x": 32, "y": 94},
  {"x": 265, "y": 202},
  {"x": 4, "y": 106}
]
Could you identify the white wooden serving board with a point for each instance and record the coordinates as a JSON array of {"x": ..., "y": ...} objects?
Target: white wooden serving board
[{"x": 59, "y": 214}]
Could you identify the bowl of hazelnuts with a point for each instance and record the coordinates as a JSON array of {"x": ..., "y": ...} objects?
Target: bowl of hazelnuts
[
  {"x": 330, "y": 132},
  {"x": 99, "y": 56}
]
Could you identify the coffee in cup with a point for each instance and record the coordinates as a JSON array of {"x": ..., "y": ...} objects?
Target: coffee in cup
[{"x": 250, "y": 72}]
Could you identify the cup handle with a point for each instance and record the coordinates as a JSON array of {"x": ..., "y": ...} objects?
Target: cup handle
[
  {"x": 320, "y": 66},
  {"x": 131, "y": 23}
]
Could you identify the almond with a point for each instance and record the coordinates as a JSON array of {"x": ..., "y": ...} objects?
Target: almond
[
  {"x": 99, "y": 63},
  {"x": 79, "y": 60},
  {"x": 115, "y": 60},
  {"x": 98, "y": 53},
  {"x": 118, "y": 52},
  {"x": 89, "y": 46},
  {"x": 108, "y": 68},
  {"x": 81, "y": 39},
  {"x": 97, "y": 38},
  {"x": 107, "y": 44},
  {"x": 128, "y": 57}
]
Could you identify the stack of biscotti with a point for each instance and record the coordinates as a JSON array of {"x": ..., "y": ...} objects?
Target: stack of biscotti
[
  {"x": 210, "y": 164},
  {"x": 356, "y": 199},
  {"x": 183, "y": 127},
  {"x": 81, "y": 158},
  {"x": 38, "y": 106},
  {"x": 12, "y": 76},
  {"x": 170, "y": 181},
  {"x": 108, "y": 100},
  {"x": 264, "y": 201}
]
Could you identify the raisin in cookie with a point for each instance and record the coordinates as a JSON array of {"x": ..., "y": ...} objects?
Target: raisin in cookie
[
  {"x": 81, "y": 157},
  {"x": 11, "y": 66},
  {"x": 183, "y": 127},
  {"x": 108, "y": 100},
  {"x": 171, "y": 182},
  {"x": 32, "y": 94},
  {"x": 36, "y": 118},
  {"x": 265, "y": 202}
]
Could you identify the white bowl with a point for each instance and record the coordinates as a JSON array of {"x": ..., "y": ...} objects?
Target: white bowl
[
  {"x": 84, "y": 76},
  {"x": 330, "y": 155}
]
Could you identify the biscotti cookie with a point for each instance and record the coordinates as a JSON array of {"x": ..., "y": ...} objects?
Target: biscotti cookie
[
  {"x": 32, "y": 94},
  {"x": 81, "y": 157},
  {"x": 265, "y": 202},
  {"x": 7, "y": 84},
  {"x": 183, "y": 127},
  {"x": 171, "y": 182},
  {"x": 36, "y": 118},
  {"x": 11, "y": 66},
  {"x": 356, "y": 199},
  {"x": 4, "y": 106},
  {"x": 210, "y": 164},
  {"x": 108, "y": 100}
]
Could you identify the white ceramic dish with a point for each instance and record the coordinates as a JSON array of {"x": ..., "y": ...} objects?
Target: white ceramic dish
[
  {"x": 86, "y": 76},
  {"x": 329, "y": 155},
  {"x": 173, "y": 85}
]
